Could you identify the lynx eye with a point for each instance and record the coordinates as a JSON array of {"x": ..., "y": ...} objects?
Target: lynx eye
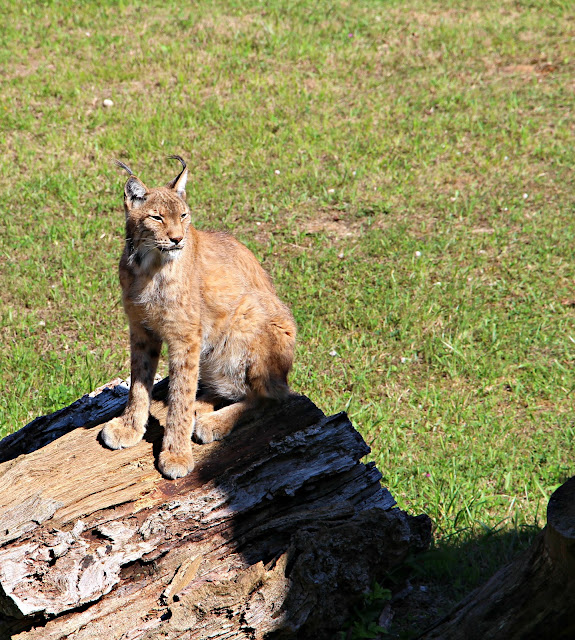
[
  {"x": 158, "y": 218},
  {"x": 183, "y": 215}
]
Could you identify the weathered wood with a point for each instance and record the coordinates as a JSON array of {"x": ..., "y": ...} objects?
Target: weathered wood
[
  {"x": 533, "y": 598},
  {"x": 278, "y": 530},
  {"x": 92, "y": 409}
]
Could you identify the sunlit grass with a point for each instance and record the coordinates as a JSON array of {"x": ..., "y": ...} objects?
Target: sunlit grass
[{"x": 404, "y": 171}]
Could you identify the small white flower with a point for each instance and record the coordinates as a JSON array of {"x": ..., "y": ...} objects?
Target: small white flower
[
  {"x": 525, "y": 196},
  {"x": 340, "y": 255},
  {"x": 330, "y": 190},
  {"x": 505, "y": 209},
  {"x": 418, "y": 254},
  {"x": 108, "y": 103},
  {"x": 42, "y": 323},
  {"x": 333, "y": 352},
  {"x": 506, "y": 158},
  {"x": 437, "y": 284},
  {"x": 353, "y": 173},
  {"x": 259, "y": 223},
  {"x": 277, "y": 172}
]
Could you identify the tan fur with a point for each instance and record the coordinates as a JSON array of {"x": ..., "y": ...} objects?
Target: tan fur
[{"x": 208, "y": 298}]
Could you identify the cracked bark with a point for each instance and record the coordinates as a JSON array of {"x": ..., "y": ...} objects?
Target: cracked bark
[{"x": 276, "y": 533}]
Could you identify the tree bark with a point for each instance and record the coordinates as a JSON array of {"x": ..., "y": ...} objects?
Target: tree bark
[
  {"x": 276, "y": 533},
  {"x": 533, "y": 598}
]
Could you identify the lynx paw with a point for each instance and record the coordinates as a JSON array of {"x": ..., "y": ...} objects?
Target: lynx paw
[
  {"x": 175, "y": 465},
  {"x": 117, "y": 435},
  {"x": 208, "y": 429}
]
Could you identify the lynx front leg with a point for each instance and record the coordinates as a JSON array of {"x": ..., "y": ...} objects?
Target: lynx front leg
[
  {"x": 176, "y": 459},
  {"x": 129, "y": 428}
]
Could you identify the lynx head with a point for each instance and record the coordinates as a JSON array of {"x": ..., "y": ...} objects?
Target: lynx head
[{"x": 157, "y": 220}]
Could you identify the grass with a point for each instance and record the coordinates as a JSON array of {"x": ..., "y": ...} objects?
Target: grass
[{"x": 402, "y": 169}]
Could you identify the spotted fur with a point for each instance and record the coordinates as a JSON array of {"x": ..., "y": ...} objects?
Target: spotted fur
[{"x": 206, "y": 296}]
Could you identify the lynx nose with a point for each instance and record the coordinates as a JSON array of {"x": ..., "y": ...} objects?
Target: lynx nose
[{"x": 176, "y": 240}]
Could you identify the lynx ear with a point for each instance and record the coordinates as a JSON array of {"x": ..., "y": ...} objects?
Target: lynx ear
[
  {"x": 135, "y": 191},
  {"x": 179, "y": 182}
]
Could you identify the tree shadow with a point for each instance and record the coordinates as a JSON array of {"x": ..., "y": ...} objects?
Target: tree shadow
[{"x": 430, "y": 585}]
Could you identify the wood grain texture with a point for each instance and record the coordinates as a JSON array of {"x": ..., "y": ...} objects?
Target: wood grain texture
[{"x": 278, "y": 530}]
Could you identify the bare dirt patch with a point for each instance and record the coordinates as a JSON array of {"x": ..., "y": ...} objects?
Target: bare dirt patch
[
  {"x": 332, "y": 224},
  {"x": 539, "y": 68}
]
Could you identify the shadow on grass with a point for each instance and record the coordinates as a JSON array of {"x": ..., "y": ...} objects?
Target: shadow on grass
[{"x": 429, "y": 585}]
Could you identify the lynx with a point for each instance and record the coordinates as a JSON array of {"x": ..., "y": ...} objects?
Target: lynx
[{"x": 207, "y": 297}]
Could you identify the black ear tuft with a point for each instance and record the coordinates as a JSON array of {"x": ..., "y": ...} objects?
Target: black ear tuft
[
  {"x": 179, "y": 182},
  {"x": 179, "y": 159},
  {"x": 120, "y": 164}
]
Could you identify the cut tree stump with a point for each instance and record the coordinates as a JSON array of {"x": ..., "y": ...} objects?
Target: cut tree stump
[
  {"x": 533, "y": 598},
  {"x": 277, "y": 532}
]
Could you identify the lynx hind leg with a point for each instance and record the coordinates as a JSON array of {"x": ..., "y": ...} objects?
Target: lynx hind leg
[
  {"x": 205, "y": 403},
  {"x": 218, "y": 424},
  {"x": 263, "y": 388},
  {"x": 267, "y": 375},
  {"x": 271, "y": 358}
]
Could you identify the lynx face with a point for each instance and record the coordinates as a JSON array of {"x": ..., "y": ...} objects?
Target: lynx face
[
  {"x": 159, "y": 226},
  {"x": 157, "y": 220}
]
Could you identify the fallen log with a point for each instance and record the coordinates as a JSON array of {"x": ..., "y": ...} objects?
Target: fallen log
[
  {"x": 532, "y": 598},
  {"x": 277, "y": 532}
]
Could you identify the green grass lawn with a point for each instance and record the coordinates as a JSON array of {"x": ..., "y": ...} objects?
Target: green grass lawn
[{"x": 403, "y": 170}]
